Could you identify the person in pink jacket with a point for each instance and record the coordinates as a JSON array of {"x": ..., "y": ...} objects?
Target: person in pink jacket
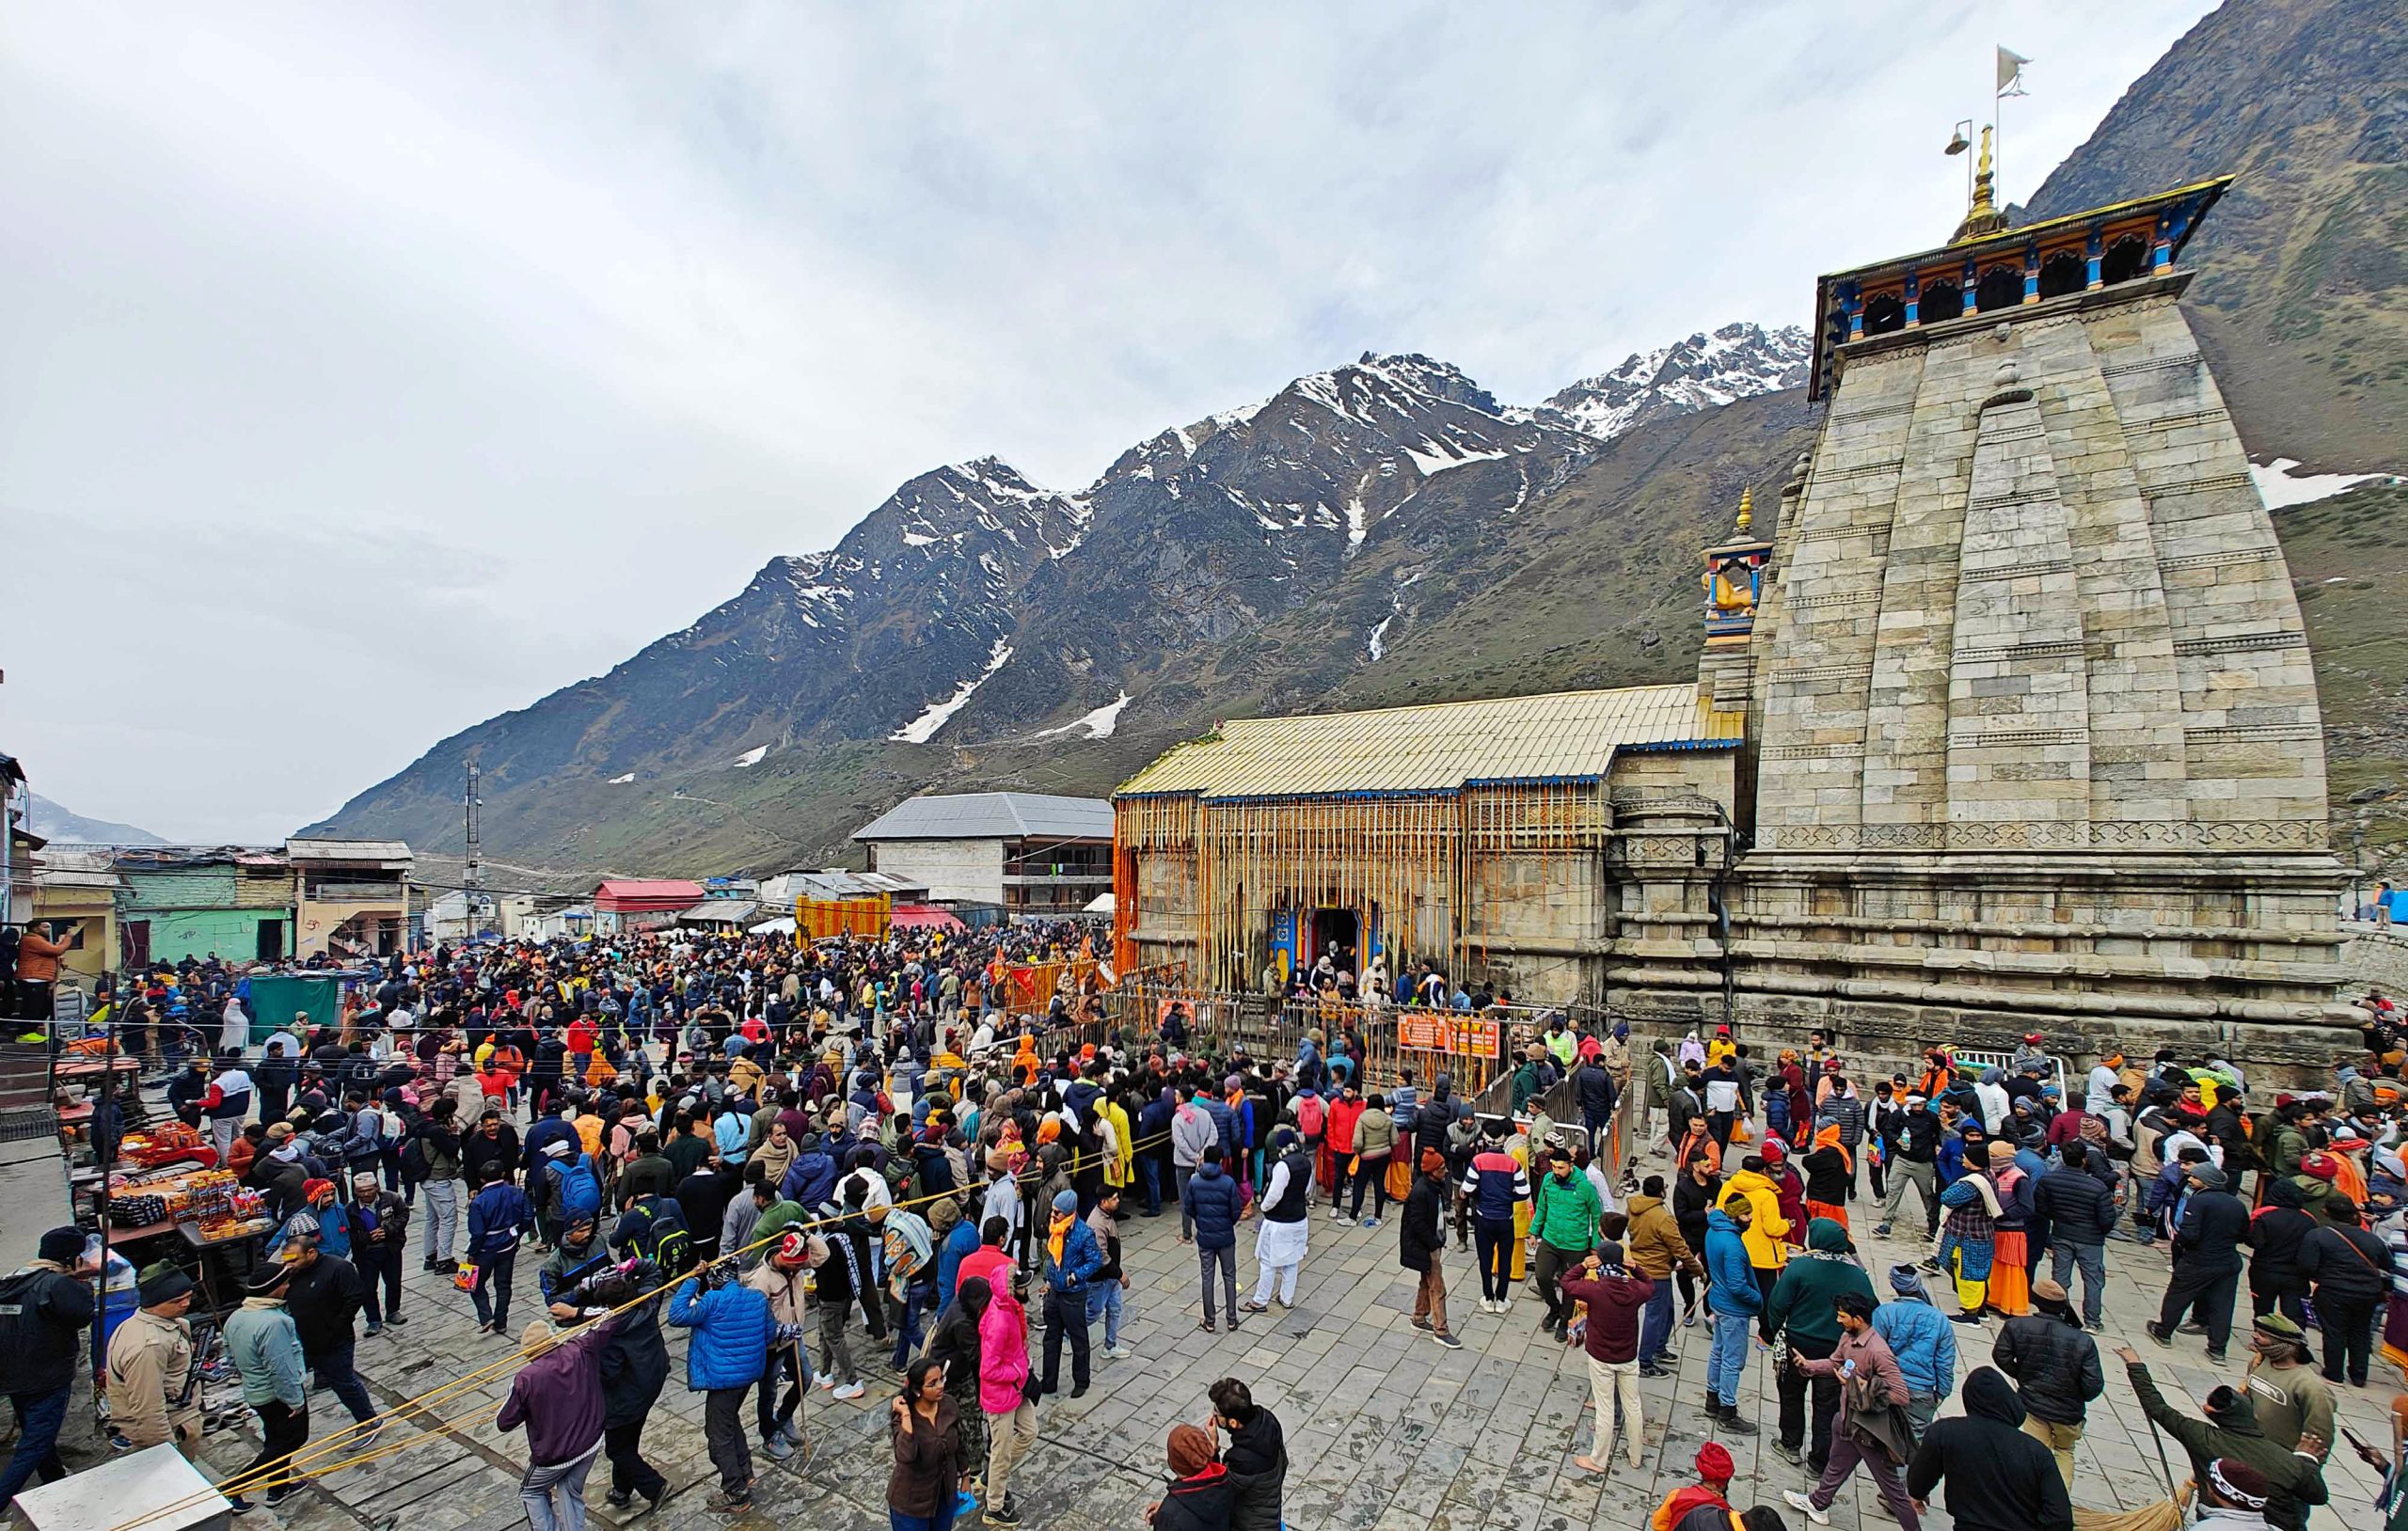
[{"x": 1004, "y": 1394}]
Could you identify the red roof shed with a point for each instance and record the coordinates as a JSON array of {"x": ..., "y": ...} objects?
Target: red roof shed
[{"x": 637, "y": 895}]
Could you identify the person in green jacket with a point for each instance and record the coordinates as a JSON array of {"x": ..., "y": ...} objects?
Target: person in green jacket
[
  {"x": 265, "y": 1348},
  {"x": 1564, "y": 1224},
  {"x": 1801, "y": 1307}
]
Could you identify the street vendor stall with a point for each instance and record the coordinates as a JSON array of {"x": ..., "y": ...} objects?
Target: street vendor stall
[{"x": 168, "y": 1200}]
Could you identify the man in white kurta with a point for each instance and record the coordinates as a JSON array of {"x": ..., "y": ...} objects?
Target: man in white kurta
[{"x": 1280, "y": 1233}]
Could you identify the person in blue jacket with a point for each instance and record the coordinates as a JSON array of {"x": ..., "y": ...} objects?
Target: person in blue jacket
[
  {"x": 1215, "y": 1198},
  {"x": 1923, "y": 1342},
  {"x": 1072, "y": 1255},
  {"x": 498, "y": 1219},
  {"x": 729, "y": 1351},
  {"x": 960, "y": 1238},
  {"x": 811, "y": 1179},
  {"x": 1734, "y": 1298}
]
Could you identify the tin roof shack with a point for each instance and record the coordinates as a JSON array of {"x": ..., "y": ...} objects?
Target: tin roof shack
[
  {"x": 1035, "y": 855},
  {"x": 354, "y": 895},
  {"x": 1485, "y": 837},
  {"x": 183, "y": 901},
  {"x": 642, "y": 903}
]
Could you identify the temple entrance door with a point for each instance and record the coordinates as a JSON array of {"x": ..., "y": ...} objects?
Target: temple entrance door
[{"x": 1339, "y": 933}]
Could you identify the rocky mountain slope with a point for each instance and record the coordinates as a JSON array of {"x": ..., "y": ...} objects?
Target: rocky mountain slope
[
  {"x": 1386, "y": 532},
  {"x": 2300, "y": 299},
  {"x": 62, "y": 827}
]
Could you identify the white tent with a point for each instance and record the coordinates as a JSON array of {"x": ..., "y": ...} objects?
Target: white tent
[
  {"x": 1101, "y": 904},
  {"x": 773, "y": 928}
]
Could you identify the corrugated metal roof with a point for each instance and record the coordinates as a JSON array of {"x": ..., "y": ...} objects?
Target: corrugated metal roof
[
  {"x": 1561, "y": 735},
  {"x": 347, "y": 850},
  {"x": 650, "y": 888},
  {"x": 991, "y": 815}
]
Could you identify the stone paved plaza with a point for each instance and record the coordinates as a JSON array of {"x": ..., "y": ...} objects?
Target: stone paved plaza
[{"x": 1387, "y": 1431}]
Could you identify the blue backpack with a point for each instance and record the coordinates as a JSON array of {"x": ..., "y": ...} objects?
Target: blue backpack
[{"x": 580, "y": 1188}]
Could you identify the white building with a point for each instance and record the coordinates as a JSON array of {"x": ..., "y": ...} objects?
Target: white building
[{"x": 1032, "y": 853}]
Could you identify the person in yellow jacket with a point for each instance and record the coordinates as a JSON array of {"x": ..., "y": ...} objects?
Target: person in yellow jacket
[
  {"x": 1124, "y": 1157},
  {"x": 1765, "y": 1235}
]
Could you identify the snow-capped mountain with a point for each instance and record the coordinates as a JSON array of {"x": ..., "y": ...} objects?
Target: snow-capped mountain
[
  {"x": 1704, "y": 372},
  {"x": 1258, "y": 557}
]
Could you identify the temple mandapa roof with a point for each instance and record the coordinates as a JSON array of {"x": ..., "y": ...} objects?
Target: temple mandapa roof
[{"x": 1559, "y": 736}]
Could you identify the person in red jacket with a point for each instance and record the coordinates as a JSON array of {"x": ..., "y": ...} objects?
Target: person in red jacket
[
  {"x": 1613, "y": 1296},
  {"x": 1790, "y": 1186},
  {"x": 1714, "y": 1468},
  {"x": 1338, "y": 1144}
]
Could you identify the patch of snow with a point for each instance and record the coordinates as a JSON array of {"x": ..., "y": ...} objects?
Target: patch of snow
[
  {"x": 922, "y": 729},
  {"x": 751, "y": 756},
  {"x": 1444, "y": 455},
  {"x": 622, "y": 780},
  {"x": 913, "y": 539},
  {"x": 2280, "y": 488},
  {"x": 1357, "y": 525},
  {"x": 1098, "y": 724}
]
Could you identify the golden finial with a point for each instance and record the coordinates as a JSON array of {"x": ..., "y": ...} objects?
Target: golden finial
[
  {"x": 1984, "y": 216},
  {"x": 1747, "y": 501}
]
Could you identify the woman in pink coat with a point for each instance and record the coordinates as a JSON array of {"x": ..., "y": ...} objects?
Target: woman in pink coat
[{"x": 1005, "y": 1391}]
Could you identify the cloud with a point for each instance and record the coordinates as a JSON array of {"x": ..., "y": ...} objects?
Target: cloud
[{"x": 425, "y": 359}]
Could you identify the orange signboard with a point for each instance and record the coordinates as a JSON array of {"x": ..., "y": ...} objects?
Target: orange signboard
[{"x": 1435, "y": 1032}]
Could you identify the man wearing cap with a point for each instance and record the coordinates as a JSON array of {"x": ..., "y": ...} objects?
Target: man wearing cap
[
  {"x": 2056, "y": 1371},
  {"x": 1913, "y": 1145},
  {"x": 2292, "y": 1483},
  {"x": 1421, "y": 1242},
  {"x": 2293, "y": 1405},
  {"x": 2209, "y": 1226},
  {"x": 1924, "y": 1343},
  {"x": 266, "y": 1347},
  {"x": 1714, "y": 1468},
  {"x": 154, "y": 1395},
  {"x": 2233, "y": 1496},
  {"x": 1072, "y": 1256},
  {"x": 782, "y": 1278},
  {"x": 380, "y": 1221},
  {"x": 44, "y": 1307},
  {"x": 324, "y": 1301}
]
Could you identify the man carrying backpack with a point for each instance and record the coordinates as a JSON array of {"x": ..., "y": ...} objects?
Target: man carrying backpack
[{"x": 44, "y": 1306}]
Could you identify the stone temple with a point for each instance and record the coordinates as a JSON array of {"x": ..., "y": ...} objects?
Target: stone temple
[{"x": 2009, "y": 725}]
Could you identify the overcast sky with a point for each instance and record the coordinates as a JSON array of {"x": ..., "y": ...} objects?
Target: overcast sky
[{"x": 368, "y": 371}]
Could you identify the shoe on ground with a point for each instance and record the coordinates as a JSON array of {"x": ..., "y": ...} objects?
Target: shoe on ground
[
  {"x": 1370, "y": 1223},
  {"x": 1285, "y": 1305},
  {"x": 1651, "y": 1369},
  {"x": 848, "y": 1393},
  {"x": 371, "y": 1330},
  {"x": 1249, "y": 1305},
  {"x": 2159, "y": 1335},
  {"x": 793, "y": 1436},
  {"x": 1209, "y": 1326},
  {"x": 1881, "y": 1230},
  {"x": 1118, "y": 1352},
  {"x": 619, "y": 1498},
  {"x": 1078, "y": 1390},
  {"x": 2193, "y": 1326},
  {"x": 1786, "y": 1452},
  {"x": 1973, "y": 1320},
  {"x": 367, "y": 1439},
  {"x": 240, "y": 1505},
  {"x": 2216, "y": 1358},
  {"x": 725, "y": 1503},
  {"x": 1233, "y": 1323},
  {"x": 1800, "y": 1503},
  {"x": 1424, "y": 1325},
  {"x": 826, "y": 1381},
  {"x": 1734, "y": 1423},
  {"x": 279, "y": 1494},
  {"x": 776, "y": 1449},
  {"x": 1336, "y": 1216},
  {"x": 394, "y": 1320},
  {"x": 1006, "y": 1514},
  {"x": 1445, "y": 1340},
  {"x": 652, "y": 1501}
]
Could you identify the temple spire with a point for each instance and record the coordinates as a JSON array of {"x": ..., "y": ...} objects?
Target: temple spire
[{"x": 1747, "y": 501}]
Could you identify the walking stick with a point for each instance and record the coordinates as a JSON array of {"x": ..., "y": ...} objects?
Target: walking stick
[
  {"x": 803, "y": 1402},
  {"x": 2167, "y": 1468}
]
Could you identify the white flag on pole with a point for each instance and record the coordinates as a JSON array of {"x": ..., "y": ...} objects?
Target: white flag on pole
[{"x": 2010, "y": 73}]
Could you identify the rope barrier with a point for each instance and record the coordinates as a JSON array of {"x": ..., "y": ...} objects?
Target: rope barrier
[{"x": 291, "y": 1474}]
